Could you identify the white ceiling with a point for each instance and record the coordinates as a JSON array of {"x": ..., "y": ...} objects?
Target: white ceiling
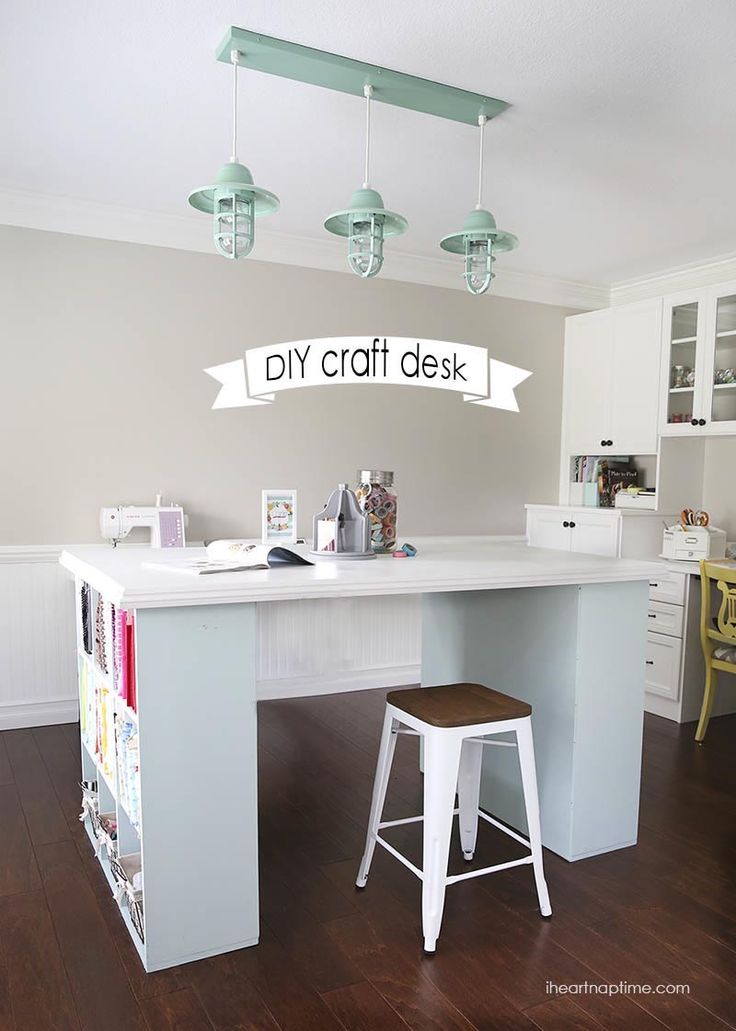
[{"x": 616, "y": 159}]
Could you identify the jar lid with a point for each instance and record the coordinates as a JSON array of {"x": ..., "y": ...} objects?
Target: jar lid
[{"x": 380, "y": 476}]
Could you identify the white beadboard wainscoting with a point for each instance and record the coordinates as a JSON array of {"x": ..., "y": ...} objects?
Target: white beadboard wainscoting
[
  {"x": 38, "y": 661},
  {"x": 337, "y": 644},
  {"x": 305, "y": 647}
]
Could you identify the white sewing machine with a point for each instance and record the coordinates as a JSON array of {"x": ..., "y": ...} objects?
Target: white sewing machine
[{"x": 165, "y": 523}]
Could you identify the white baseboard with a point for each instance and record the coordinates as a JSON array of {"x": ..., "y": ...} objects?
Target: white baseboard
[
  {"x": 337, "y": 683},
  {"x": 38, "y": 714}
]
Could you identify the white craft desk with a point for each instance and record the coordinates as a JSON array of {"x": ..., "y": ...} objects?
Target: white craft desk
[{"x": 566, "y": 632}]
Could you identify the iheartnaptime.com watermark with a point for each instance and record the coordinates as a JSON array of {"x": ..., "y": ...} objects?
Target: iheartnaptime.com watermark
[{"x": 620, "y": 988}]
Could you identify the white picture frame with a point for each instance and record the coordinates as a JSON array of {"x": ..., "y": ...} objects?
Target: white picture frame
[{"x": 278, "y": 516}]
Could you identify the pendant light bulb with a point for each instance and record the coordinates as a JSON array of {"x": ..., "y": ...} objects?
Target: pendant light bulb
[
  {"x": 233, "y": 201},
  {"x": 479, "y": 240},
  {"x": 478, "y": 263},
  {"x": 366, "y": 222}
]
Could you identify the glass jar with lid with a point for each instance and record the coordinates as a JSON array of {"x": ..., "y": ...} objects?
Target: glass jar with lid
[{"x": 377, "y": 497}]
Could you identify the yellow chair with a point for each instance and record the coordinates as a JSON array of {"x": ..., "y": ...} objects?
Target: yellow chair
[{"x": 721, "y": 630}]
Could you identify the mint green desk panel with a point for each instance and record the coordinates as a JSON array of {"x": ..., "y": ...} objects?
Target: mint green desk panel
[
  {"x": 198, "y": 765},
  {"x": 577, "y": 655}
]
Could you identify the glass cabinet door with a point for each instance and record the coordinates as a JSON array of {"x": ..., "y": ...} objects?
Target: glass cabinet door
[
  {"x": 683, "y": 372},
  {"x": 722, "y": 371}
]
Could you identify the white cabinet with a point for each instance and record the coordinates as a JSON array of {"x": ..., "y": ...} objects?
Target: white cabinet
[
  {"x": 698, "y": 371},
  {"x": 549, "y": 528},
  {"x": 665, "y": 618},
  {"x": 634, "y": 387},
  {"x": 611, "y": 380},
  {"x": 588, "y": 531},
  {"x": 595, "y": 531},
  {"x": 663, "y": 665},
  {"x": 668, "y": 586},
  {"x": 587, "y": 373},
  {"x": 666, "y": 631}
]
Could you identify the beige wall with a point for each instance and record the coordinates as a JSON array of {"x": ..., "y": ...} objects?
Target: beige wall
[
  {"x": 103, "y": 399},
  {"x": 719, "y": 483}
]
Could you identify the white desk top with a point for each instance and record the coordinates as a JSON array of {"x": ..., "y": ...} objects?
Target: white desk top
[{"x": 442, "y": 564}]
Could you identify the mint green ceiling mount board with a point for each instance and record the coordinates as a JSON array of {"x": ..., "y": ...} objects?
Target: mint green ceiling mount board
[
  {"x": 366, "y": 222},
  {"x": 233, "y": 200},
  {"x": 479, "y": 239},
  {"x": 332, "y": 71}
]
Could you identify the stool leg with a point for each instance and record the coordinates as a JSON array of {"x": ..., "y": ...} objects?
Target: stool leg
[
  {"x": 380, "y": 784},
  {"x": 442, "y": 759},
  {"x": 525, "y": 745},
  {"x": 468, "y": 794}
]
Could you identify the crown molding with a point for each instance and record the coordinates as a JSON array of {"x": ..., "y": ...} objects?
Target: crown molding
[
  {"x": 680, "y": 277},
  {"x": 189, "y": 233}
]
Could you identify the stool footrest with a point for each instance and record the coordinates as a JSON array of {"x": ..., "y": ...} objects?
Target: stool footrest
[
  {"x": 461, "y": 876},
  {"x": 407, "y": 819},
  {"x": 502, "y": 827},
  {"x": 489, "y": 869},
  {"x": 397, "y": 855}
]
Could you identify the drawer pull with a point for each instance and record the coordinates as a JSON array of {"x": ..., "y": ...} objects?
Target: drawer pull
[
  {"x": 650, "y": 662},
  {"x": 653, "y": 585},
  {"x": 652, "y": 615}
]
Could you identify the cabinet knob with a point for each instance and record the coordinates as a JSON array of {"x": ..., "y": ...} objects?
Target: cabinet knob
[
  {"x": 603, "y": 443},
  {"x": 694, "y": 422},
  {"x": 572, "y": 526},
  {"x": 701, "y": 422},
  {"x": 566, "y": 524},
  {"x": 610, "y": 443}
]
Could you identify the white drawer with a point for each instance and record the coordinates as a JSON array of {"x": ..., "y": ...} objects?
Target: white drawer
[
  {"x": 663, "y": 665},
  {"x": 664, "y": 618},
  {"x": 667, "y": 586}
]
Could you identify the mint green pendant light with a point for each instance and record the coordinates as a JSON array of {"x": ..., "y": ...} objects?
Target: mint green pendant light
[
  {"x": 479, "y": 240},
  {"x": 233, "y": 201},
  {"x": 366, "y": 222}
]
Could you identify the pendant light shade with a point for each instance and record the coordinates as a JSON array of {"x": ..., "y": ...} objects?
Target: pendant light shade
[
  {"x": 232, "y": 200},
  {"x": 366, "y": 222},
  {"x": 479, "y": 240}
]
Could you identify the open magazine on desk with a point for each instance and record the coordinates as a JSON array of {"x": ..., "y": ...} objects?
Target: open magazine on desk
[{"x": 231, "y": 556}]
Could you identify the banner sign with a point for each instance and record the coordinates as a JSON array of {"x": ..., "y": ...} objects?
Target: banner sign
[{"x": 401, "y": 361}]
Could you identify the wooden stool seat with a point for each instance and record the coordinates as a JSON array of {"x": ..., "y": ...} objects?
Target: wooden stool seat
[{"x": 458, "y": 705}]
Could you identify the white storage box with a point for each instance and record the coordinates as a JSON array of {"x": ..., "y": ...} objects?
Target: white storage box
[
  {"x": 642, "y": 502},
  {"x": 693, "y": 543}
]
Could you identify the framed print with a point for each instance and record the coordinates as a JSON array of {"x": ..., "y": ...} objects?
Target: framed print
[{"x": 278, "y": 516}]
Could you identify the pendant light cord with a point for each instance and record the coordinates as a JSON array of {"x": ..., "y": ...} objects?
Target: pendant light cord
[
  {"x": 482, "y": 119},
  {"x": 235, "y": 59},
  {"x": 367, "y": 93}
]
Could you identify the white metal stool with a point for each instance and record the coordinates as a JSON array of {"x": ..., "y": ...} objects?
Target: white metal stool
[{"x": 454, "y": 721}]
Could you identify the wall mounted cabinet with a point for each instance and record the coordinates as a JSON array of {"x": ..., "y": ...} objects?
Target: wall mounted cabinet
[
  {"x": 611, "y": 380},
  {"x": 698, "y": 370}
]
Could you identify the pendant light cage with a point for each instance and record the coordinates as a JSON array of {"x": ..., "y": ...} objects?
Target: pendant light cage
[
  {"x": 480, "y": 240},
  {"x": 479, "y": 258},
  {"x": 366, "y": 222},
  {"x": 233, "y": 217},
  {"x": 233, "y": 201},
  {"x": 365, "y": 244}
]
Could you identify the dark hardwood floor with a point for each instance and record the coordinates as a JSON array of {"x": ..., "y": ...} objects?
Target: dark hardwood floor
[{"x": 334, "y": 958}]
